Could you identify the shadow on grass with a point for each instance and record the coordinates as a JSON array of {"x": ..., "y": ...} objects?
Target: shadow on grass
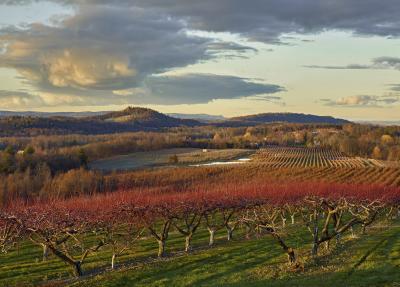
[
  {"x": 371, "y": 277},
  {"x": 220, "y": 263}
]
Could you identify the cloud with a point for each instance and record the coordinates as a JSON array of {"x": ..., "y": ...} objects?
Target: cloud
[
  {"x": 26, "y": 100},
  {"x": 364, "y": 101},
  {"x": 12, "y": 99},
  {"x": 198, "y": 88},
  {"x": 267, "y": 20},
  {"x": 104, "y": 48},
  {"x": 381, "y": 63},
  {"x": 395, "y": 88},
  {"x": 110, "y": 51},
  {"x": 155, "y": 90},
  {"x": 387, "y": 62},
  {"x": 347, "y": 67}
]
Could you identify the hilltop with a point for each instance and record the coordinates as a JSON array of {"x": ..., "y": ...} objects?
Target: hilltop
[
  {"x": 128, "y": 120},
  {"x": 143, "y": 117},
  {"x": 285, "y": 118}
]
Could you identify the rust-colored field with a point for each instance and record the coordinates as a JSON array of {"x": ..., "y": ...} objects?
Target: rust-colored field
[
  {"x": 314, "y": 157},
  {"x": 317, "y": 164}
]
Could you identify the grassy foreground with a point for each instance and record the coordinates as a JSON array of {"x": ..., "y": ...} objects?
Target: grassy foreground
[{"x": 370, "y": 260}]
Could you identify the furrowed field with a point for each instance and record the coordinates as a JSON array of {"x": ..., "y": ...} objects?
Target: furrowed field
[
  {"x": 288, "y": 217},
  {"x": 317, "y": 164}
]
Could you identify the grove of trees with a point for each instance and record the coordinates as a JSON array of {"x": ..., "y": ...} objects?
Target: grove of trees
[{"x": 121, "y": 219}]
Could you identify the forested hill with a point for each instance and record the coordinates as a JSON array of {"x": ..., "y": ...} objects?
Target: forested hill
[
  {"x": 144, "y": 117},
  {"x": 284, "y": 117},
  {"x": 130, "y": 119},
  {"x": 33, "y": 114},
  {"x": 137, "y": 119}
]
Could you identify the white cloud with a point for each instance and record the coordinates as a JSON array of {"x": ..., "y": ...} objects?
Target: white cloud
[
  {"x": 81, "y": 68},
  {"x": 364, "y": 101}
]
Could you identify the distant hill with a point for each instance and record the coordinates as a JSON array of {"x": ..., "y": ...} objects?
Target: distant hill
[
  {"x": 50, "y": 114},
  {"x": 144, "y": 117},
  {"x": 199, "y": 117},
  {"x": 128, "y": 120},
  {"x": 134, "y": 119},
  {"x": 285, "y": 118}
]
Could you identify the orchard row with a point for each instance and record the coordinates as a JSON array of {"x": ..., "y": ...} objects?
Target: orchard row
[
  {"x": 279, "y": 157},
  {"x": 74, "y": 229}
]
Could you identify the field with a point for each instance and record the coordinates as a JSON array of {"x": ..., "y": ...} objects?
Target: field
[
  {"x": 185, "y": 156},
  {"x": 374, "y": 261},
  {"x": 278, "y": 157},
  {"x": 315, "y": 164},
  {"x": 276, "y": 185}
]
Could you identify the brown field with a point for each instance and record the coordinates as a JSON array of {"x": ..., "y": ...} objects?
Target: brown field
[
  {"x": 271, "y": 165},
  {"x": 278, "y": 157},
  {"x": 316, "y": 164}
]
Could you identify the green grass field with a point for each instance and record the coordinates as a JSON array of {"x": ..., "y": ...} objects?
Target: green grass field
[{"x": 369, "y": 260}]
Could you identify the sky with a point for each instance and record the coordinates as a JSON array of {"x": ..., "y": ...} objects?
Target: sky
[{"x": 225, "y": 57}]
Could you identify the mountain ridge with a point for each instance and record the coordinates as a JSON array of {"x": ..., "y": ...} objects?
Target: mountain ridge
[
  {"x": 134, "y": 119},
  {"x": 288, "y": 118}
]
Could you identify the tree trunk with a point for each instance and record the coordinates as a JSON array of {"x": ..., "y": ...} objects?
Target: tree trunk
[
  {"x": 283, "y": 221},
  {"x": 188, "y": 241},
  {"x": 113, "y": 261},
  {"x": 45, "y": 252},
  {"x": 258, "y": 232},
  {"x": 248, "y": 231},
  {"x": 76, "y": 265},
  {"x": 291, "y": 256},
  {"x": 161, "y": 248},
  {"x": 314, "y": 251},
  {"x": 78, "y": 269},
  {"x": 292, "y": 217},
  {"x": 230, "y": 233},
  {"x": 212, "y": 236},
  {"x": 288, "y": 250}
]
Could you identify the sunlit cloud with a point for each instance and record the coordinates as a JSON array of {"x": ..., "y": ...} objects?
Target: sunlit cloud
[{"x": 364, "y": 101}]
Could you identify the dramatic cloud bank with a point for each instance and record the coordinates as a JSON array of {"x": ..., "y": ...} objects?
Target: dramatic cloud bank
[
  {"x": 266, "y": 20},
  {"x": 102, "y": 49},
  {"x": 119, "y": 52}
]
